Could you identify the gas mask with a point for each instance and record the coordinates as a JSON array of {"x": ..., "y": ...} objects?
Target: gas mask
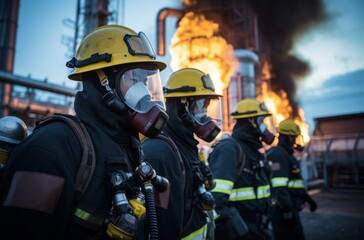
[
  {"x": 297, "y": 143},
  {"x": 263, "y": 123},
  {"x": 206, "y": 115},
  {"x": 141, "y": 91}
]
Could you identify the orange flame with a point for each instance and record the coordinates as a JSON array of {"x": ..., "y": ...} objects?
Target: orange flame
[
  {"x": 195, "y": 45},
  {"x": 279, "y": 106}
]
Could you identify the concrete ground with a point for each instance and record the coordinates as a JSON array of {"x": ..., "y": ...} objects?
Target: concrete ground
[{"x": 340, "y": 215}]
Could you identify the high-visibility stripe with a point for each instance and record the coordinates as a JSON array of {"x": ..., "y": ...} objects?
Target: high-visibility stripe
[
  {"x": 263, "y": 191},
  {"x": 280, "y": 182},
  {"x": 298, "y": 183},
  {"x": 88, "y": 217},
  {"x": 240, "y": 194},
  {"x": 200, "y": 234},
  {"x": 215, "y": 214},
  {"x": 223, "y": 186},
  {"x": 248, "y": 193}
]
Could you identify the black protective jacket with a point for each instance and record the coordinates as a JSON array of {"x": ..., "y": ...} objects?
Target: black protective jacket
[
  {"x": 288, "y": 188},
  {"x": 36, "y": 197},
  {"x": 178, "y": 213},
  {"x": 288, "y": 191},
  {"x": 245, "y": 189}
]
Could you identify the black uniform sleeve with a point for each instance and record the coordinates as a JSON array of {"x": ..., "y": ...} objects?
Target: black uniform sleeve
[
  {"x": 280, "y": 177},
  {"x": 224, "y": 166},
  {"x": 37, "y": 188},
  {"x": 170, "y": 204}
]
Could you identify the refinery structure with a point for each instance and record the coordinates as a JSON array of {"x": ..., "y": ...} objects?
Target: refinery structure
[
  {"x": 241, "y": 45},
  {"x": 227, "y": 41}
]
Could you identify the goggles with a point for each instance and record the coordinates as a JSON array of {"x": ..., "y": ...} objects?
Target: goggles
[
  {"x": 140, "y": 88},
  {"x": 139, "y": 45}
]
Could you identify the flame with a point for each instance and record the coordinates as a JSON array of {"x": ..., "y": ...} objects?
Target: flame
[
  {"x": 279, "y": 106},
  {"x": 196, "y": 45}
]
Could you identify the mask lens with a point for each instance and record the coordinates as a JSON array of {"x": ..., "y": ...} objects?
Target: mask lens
[
  {"x": 204, "y": 110},
  {"x": 141, "y": 89},
  {"x": 266, "y": 123}
]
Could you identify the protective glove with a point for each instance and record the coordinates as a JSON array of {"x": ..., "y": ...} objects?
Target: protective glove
[{"x": 313, "y": 204}]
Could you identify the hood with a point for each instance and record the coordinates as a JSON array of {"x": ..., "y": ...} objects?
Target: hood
[
  {"x": 285, "y": 142},
  {"x": 247, "y": 133},
  {"x": 96, "y": 115},
  {"x": 176, "y": 127}
]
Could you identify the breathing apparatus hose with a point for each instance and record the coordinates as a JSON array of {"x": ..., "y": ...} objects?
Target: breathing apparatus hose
[
  {"x": 149, "y": 178},
  {"x": 151, "y": 212}
]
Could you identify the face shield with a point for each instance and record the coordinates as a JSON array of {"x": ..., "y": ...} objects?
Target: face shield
[
  {"x": 207, "y": 115},
  {"x": 266, "y": 128},
  {"x": 140, "y": 88},
  {"x": 141, "y": 91},
  {"x": 298, "y": 143}
]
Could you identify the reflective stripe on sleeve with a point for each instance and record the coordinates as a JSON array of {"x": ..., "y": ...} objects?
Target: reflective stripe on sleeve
[
  {"x": 199, "y": 234},
  {"x": 248, "y": 193},
  {"x": 298, "y": 183},
  {"x": 223, "y": 186},
  {"x": 263, "y": 192},
  {"x": 280, "y": 182},
  {"x": 242, "y": 194},
  {"x": 88, "y": 217}
]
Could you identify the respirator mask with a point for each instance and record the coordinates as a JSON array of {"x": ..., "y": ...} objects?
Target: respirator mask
[
  {"x": 266, "y": 128},
  {"x": 141, "y": 91},
  {"x": 297, "y": 143},
  {"x": 207, "y": 116}
]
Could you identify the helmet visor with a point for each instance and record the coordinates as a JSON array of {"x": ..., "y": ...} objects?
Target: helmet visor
[
  {"x": 266, "y": 123},
  {"x": 141, "y": 89},
  {"x": 139, "y": 45},
  {"x": 207, "y": 109}
]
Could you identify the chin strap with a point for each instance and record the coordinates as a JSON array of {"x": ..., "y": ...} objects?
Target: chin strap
[
  {"x": 110, "y": 98},
  {"x": 103, "y": 79}
]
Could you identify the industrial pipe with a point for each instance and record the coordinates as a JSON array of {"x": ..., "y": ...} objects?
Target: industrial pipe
[
  {"x": 161, "y": 27},
  {"x": 37, "y": 84}
]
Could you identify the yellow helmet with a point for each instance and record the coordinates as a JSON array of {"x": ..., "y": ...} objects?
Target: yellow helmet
[
  {"x": 111, "y": 45},
  {"x": 189, "y": 82},
  {"x": 250, "y": 108},
  {"x": 289, "y": 127}
]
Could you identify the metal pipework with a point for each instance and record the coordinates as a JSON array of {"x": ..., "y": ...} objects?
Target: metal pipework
[
  {"x": 37, "y": 84},
  {"x": 161, "y": 27}
]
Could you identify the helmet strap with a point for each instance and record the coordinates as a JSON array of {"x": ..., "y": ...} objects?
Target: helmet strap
[
  {"x": 110, "y": 98},
  {"x": 186, "y": 118},
  {"x": 252, "y": 121}
]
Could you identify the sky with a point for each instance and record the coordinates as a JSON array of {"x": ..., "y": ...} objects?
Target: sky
[{"x": 333, "y": 49}]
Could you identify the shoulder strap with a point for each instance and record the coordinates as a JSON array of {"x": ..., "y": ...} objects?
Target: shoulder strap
[{"x": 88, "y": 161}]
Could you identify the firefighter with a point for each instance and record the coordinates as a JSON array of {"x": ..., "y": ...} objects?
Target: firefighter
[
  {"x": 12, "y": 131},
  {"x": 242, "y": 192},
  {"x": 121, "y": 96},
  {"x": 288, "y": 191},
  {"x": 182, "y": 211}
]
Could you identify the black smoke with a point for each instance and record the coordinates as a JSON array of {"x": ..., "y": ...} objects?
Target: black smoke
[{"x": 282, "y": 22}]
